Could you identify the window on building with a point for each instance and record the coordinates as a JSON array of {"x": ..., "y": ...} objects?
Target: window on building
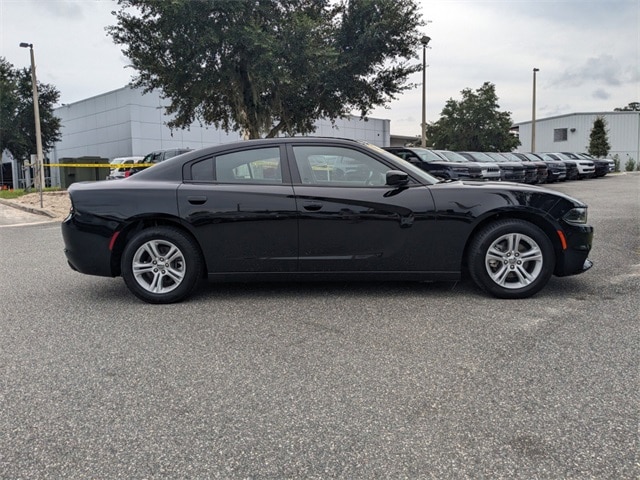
[{"x": 560, "y": 135}]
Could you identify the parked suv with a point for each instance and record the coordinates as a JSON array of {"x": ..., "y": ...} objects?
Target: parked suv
[
  {"x": 509, "y": 171},
  {"x": 601, "y": 166},
  {"x": 156, "y": 157},
  {"x": 586, "y": 168},
  {"x": 542, "y": 170},
  {"x": 428, "y": 161},
  {"x": 556, "y": 170},
  {"x": 490, "y": 171}
]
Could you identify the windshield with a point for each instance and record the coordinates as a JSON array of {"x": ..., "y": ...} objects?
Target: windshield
[
  {"x": 426, "y": 155},
  {"x": 481, "y": 157},
  {"x": 452, "y": 156},
  {"x": 496, "y": 157},
  {"x": 510, "y": 156},
  {"x": 406, "y": 166},
  {"x": 545, "y": 157}
]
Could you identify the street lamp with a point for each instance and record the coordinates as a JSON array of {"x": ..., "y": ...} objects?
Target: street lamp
[
  {"x": 36, "y": 114},
  {"x": 424, "y": 41},
  {"x": 533, "y": 113}
]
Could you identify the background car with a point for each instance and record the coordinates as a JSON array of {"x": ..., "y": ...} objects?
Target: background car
[
  {"x": 542, "y": 170},
  {"x": 612, "y": 164},
  {"x": 571, "y": 167},
  {"x": 221, "y": 213},
  {"x": 556, "y": 169},
  {"x": 601, "y": 167},
  {"x": 509, "y": 171},
  {"x": 119, "y": 171},
  {"x": 440, "y": 167},
  {"x": 155, "y": 157},
  {"x": 489, "y": 171},
  {"x": 533, "y": 172},
  {"x": 530, "y": 170},
  {"x": 586, "y": 168}
]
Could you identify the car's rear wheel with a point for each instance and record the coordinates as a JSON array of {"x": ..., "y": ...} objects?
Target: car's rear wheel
[
  {"x": 161, "y": 265},
  {"x": 511, "y": 259}
]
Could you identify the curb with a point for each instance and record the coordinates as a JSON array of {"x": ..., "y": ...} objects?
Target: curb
[{"x": 24, "y": 208}]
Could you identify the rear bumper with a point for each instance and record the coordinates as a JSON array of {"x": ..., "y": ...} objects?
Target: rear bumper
[{"x": 87, "y": 251}]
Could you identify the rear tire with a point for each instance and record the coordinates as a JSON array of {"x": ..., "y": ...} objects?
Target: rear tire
[
  {"x": 161, "y": 265},
  {"x": 511, "y": 259}
]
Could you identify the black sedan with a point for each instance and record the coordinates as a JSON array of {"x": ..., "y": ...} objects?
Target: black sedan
[{"x": 278, "y": 210}]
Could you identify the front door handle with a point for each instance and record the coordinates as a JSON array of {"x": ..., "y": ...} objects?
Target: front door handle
[{"x": 197, "y": 199}]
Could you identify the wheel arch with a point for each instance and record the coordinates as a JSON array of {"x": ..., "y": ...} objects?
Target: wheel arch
[
  {"x": 546, "y": 224},
  {"x": 137, "y": 225}
]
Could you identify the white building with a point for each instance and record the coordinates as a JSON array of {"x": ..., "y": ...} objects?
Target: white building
[
  {"x": 570, "y": 133},
  {"x": 125, "y": 122}
]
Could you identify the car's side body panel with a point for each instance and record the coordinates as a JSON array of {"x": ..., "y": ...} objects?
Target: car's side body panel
[{"x": 242, "y": 228}]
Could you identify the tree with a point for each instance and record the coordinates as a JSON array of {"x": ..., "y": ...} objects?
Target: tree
[
  {"x": 17, "y": 122},
  {"x": 269, "y": 67},
  {"x": 598, "y": 139},
  {"x": 473, "y": 123},
  {"x": 632, "y": 107}
]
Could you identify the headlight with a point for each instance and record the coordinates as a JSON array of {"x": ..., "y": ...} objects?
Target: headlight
[{"x": 576, "y": 216}]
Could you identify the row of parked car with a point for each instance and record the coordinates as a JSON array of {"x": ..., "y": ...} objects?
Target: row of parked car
[
  {"x": 529, "y": 168},
  {"x": 123, "y": 167}
]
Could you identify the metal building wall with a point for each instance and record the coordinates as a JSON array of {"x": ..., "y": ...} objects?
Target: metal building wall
[
  {"x": 623, "y": 132},
  {"x": 125, "y": 122}
]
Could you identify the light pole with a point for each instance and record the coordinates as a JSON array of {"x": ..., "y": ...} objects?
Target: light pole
[
  {"x": 36, "y": 114},
  {"x": 424, "y": 41},
  {"x": 533, "y": 113}
]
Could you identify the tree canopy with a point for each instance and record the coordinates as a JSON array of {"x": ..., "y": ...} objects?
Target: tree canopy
[
  {"x": 598, "y": 139},
  {"x": 473, "y": 123},
  {"x": 632, "y": 107},
  {"x": 269, "y": 67},
  {"x": 17, "y": 122}
]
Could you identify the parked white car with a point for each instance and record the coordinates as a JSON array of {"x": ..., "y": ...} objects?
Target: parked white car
[
  {"x": 119, "y": 171},
  {"x": 586, "y": 168}
]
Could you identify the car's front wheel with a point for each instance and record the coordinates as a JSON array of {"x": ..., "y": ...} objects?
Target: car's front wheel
[
  {"x": 511, "y": 259},
  {"x": 161, "y": 265}
]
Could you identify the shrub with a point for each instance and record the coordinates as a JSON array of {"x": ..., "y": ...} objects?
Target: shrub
[
  {"x": 616, "y": 163},
  {"x": 630, "y": 165}
]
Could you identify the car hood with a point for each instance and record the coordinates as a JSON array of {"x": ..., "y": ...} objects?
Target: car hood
[
  {"x": 518, "y": 187},
  {"x": 479, "y": 200}
]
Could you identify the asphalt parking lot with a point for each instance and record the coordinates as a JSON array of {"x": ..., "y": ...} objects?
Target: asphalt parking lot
[{"x": 328, "y": 380}]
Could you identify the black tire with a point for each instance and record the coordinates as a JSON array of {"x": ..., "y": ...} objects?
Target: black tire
[
  {"x": 155, "y": 277},
  {"x": 511, "y": 259}
]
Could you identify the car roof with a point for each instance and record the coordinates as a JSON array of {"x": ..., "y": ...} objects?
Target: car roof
[{"x": 165, "y": 169}]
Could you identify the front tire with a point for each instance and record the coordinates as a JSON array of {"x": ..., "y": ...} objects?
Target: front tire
[
  {"x": 511, "y": 259},
  {"x": 161, "y": 265}
]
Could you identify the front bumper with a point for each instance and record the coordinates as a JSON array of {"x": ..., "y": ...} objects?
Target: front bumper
[{"x": 574, "y": 259}]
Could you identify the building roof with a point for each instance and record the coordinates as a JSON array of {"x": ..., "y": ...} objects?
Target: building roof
[{"x": 575, "y": 115}]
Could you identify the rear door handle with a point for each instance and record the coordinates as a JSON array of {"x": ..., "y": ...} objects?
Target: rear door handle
[
  {"x": 197, "y": 199},
  {"x": 312, "y": 207}
]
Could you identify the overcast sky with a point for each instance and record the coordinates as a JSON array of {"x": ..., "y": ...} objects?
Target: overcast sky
[{"x": 588, "y": 53}]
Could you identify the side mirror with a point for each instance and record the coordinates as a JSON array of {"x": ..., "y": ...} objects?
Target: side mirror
[{"x": 397, "y": 178}]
